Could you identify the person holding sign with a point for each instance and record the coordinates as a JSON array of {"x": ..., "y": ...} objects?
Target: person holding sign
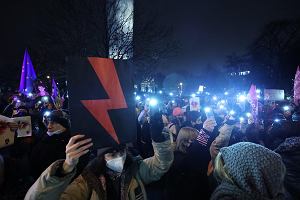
[{"x": 115, "y": 174}]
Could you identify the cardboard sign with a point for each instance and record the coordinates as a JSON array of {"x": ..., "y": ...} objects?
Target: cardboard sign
[
  {"x": 195, "y": 104},
  {"x": 101, "y": 100},
  {"x": 25, "y": 128},
  {"x": 7, "y": 136},
  {"x": 273, "y": 95}
]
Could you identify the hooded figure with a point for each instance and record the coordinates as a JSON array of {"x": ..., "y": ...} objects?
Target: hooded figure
[
  {"x": 53, "y": 145},
  {"x": 249, "y": 171}
]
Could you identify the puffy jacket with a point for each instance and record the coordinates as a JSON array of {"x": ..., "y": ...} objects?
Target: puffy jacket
[{"x": 51, "y": 186}]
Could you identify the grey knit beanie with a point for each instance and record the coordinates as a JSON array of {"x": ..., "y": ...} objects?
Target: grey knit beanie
[{"x": 254, "y": 169}]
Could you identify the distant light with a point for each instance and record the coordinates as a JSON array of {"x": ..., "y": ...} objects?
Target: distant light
[
  {"x": 248, "y": 114},
  {"x": 148, "y": 99},
  {"x": 67, "y": 96},
  {"x": 277, "y": 120},
  {"x": 39, "y": 102},
  {"x": 173, "y": 101},
  {"x": 207, "y": 93},
  {"x": 193, "y": 95},
  {"x": 134, "y": 93},
  {"x": 232, "y": 112},
  {"x": 201, "y": 88},
  {"x": 160, "y": 92},
  {"x": 153, "y": 102},
  {"x": 223, "y": 101},
  {"x": 207, "y": 109},
  {"x": 198, "y": 92},
  {"x": 222, "y": 106},
  {"x": 242, "y": 98},
  {"x": 258, "y": 91},
  {"x": 47, "y": 113},
  {"x": 215, "y": 98},
  {"x": 45, "y": 98},
  {"x": 138, "y": 98},
  {"x": 171, "y": 94},
  {"x": 57, "y": 83},
  {"x": 180, "y": 84},
  {"x": 286, "y": 108},
  {"x": 258, "y": 96},
  {"x": 18, "y": 101},
  {"x": 226, "y": 93},
  {"x": 48, "y": 77},
  {"x": 30, "y": 94},
  {"x": 242, "y": 119}
]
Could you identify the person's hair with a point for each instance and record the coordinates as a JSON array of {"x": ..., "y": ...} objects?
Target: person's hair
[
  {"x": 185, "y": 134},
  {"x": 220, "y": 172}
]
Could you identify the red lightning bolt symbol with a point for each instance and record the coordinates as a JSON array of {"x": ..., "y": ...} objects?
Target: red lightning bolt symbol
[{"x": 107, "y": 75}]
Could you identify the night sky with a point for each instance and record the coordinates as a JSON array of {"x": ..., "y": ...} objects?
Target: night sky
[{"x": 206, "y": 30}]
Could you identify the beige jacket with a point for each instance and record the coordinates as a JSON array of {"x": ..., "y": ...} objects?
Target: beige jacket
[{"x": 48, "y": 186}]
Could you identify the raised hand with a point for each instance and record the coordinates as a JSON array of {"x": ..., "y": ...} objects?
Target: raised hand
[{"x": 74, "y": 150}]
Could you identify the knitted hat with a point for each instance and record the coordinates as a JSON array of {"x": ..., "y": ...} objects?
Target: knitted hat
[
  {"x": 57, "y": 117},
  {"x": 254, "y": 169}
]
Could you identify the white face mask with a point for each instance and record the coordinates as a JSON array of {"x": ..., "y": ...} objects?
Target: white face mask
[
  {"x": 116, "y": 164},
  {"x": 55, "y": 132}
]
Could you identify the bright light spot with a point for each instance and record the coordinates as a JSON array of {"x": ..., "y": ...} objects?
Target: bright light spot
[
  {"x": 67, "y": 96},
  {"x": 171, "y": 94},
  {"x": 215, "y": 98},
  {"x": 226, "y": 93},
  {"x": 258, "y": 96},
  {"x": 277, "y": 120},
  {"x": 134, "y": 93},
  {"x": 45, "y": 99},
  {"x": 18, "y": 101},
  {"x": 173, "y": 101},
  {"x": 39, "y": 102},
  {"x": 30, "y": 94},
  {"x": 47, "y": 113},
  {"x": 286, "y": 108},
  {"x": 222, "y": 107},
  {"x": 193, "y": 95},
  {"x": 145, "y": 95},
  {"x": 48, "y": 77},
  {"x": 148, "y": 99},
  {"x": 232, "y": 112},
  {"x": 223, "y": 101},
  {"x": 201, "y": 88},
  {"x": 258, "y": 91},
  {"x": 180, "y": 84},
  {"x": 207, "y": 109},
  {"x": 242, "y": 98},
  {"x": 242, "y": 119},
  {"x": 137, "y": 98},
  {"x": 160, "y": 92},
  {"x": 153, "y": 102},
  {"x": 248, "y": 114},
  {"x": 198, "y": 92}
]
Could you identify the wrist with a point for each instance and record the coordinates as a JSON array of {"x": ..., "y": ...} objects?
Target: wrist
[{"x": 67, "y": 168}]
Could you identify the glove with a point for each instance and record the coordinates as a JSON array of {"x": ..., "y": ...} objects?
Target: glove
[
  {"x": 209, "y": 124},
  {"x": 156, "y": 128}
]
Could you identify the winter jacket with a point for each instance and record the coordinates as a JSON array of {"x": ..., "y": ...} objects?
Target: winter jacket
[
  {"x": 48, "y": 150},
  {"x": 51, "y": 186},
  {"x": 290, "y": 153},
  {"x": 222, "y": 140}
]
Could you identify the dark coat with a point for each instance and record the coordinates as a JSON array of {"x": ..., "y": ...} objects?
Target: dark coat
[
  {"x": 290, "y": 154},
  {"x": 48, "y": 150}
]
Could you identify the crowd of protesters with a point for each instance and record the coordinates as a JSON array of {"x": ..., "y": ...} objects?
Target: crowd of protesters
[{"x": 221, "y": 151}]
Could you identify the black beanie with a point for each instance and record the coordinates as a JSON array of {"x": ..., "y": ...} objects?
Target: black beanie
[{"x": 57, "y": 117}]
